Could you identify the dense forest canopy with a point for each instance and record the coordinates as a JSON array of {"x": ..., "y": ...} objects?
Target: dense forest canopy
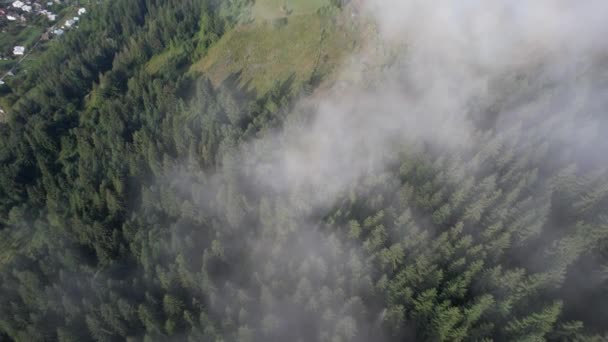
[{"x": 434, "y": 185}]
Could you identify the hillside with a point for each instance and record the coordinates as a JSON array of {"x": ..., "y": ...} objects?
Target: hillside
[
  {"x": 275, "y": 46},
  {"x": 290, "y": 170}
]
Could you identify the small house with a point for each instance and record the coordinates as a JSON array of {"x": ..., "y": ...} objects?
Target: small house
[
  {"x": 18, "y": 4},
  {"x": 82, "y": 11},
  {"x": 18, "y": 50}
]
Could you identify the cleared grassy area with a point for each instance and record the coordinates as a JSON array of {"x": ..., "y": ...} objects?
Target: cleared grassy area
[
  {"x": 269, "y": 9},
  {"x": 156, "y": 63},
  {"x": 264, "y": 54}
]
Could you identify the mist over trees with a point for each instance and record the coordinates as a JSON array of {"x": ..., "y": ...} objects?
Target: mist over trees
[{"x": 157, "y": 206}]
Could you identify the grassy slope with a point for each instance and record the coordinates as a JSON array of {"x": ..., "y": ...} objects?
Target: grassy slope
[
  {"x": 270, "y": 9},
  {"x": 263, "y": 53},
  {"x": 156, "y": 63}
]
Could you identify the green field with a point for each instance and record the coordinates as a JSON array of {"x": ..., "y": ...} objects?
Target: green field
[
  {"x": 264, "y": 54},
  {"x": 269, "y": 9}
]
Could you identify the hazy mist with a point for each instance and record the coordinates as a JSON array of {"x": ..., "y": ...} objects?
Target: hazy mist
[{"x": 457, "y": 62}]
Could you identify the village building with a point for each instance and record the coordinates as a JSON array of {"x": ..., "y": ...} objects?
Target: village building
[
  {"x": 58, "y": 32},
  {"x": 82, "y": 11},
  {"x": 26, "y": 8},
  {"x": 69, "y": 23},
  {"x": 11, "y": 18},
  {"x": 18, "y": 50},
  {"x": 18, "y": 4},
  {"x": 50, "y": 15}
]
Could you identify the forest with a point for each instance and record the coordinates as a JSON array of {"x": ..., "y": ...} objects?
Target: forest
[{"x": 143, "y": 201}]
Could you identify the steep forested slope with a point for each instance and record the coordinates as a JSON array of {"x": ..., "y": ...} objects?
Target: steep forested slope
[{"x": 144, "y": 199}]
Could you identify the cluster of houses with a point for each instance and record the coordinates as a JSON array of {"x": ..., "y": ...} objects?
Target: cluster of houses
[
  {"x": 71, "y": 22},
  {"x": 18, "y": 10},
  {"x": 21, "y": 10}
]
